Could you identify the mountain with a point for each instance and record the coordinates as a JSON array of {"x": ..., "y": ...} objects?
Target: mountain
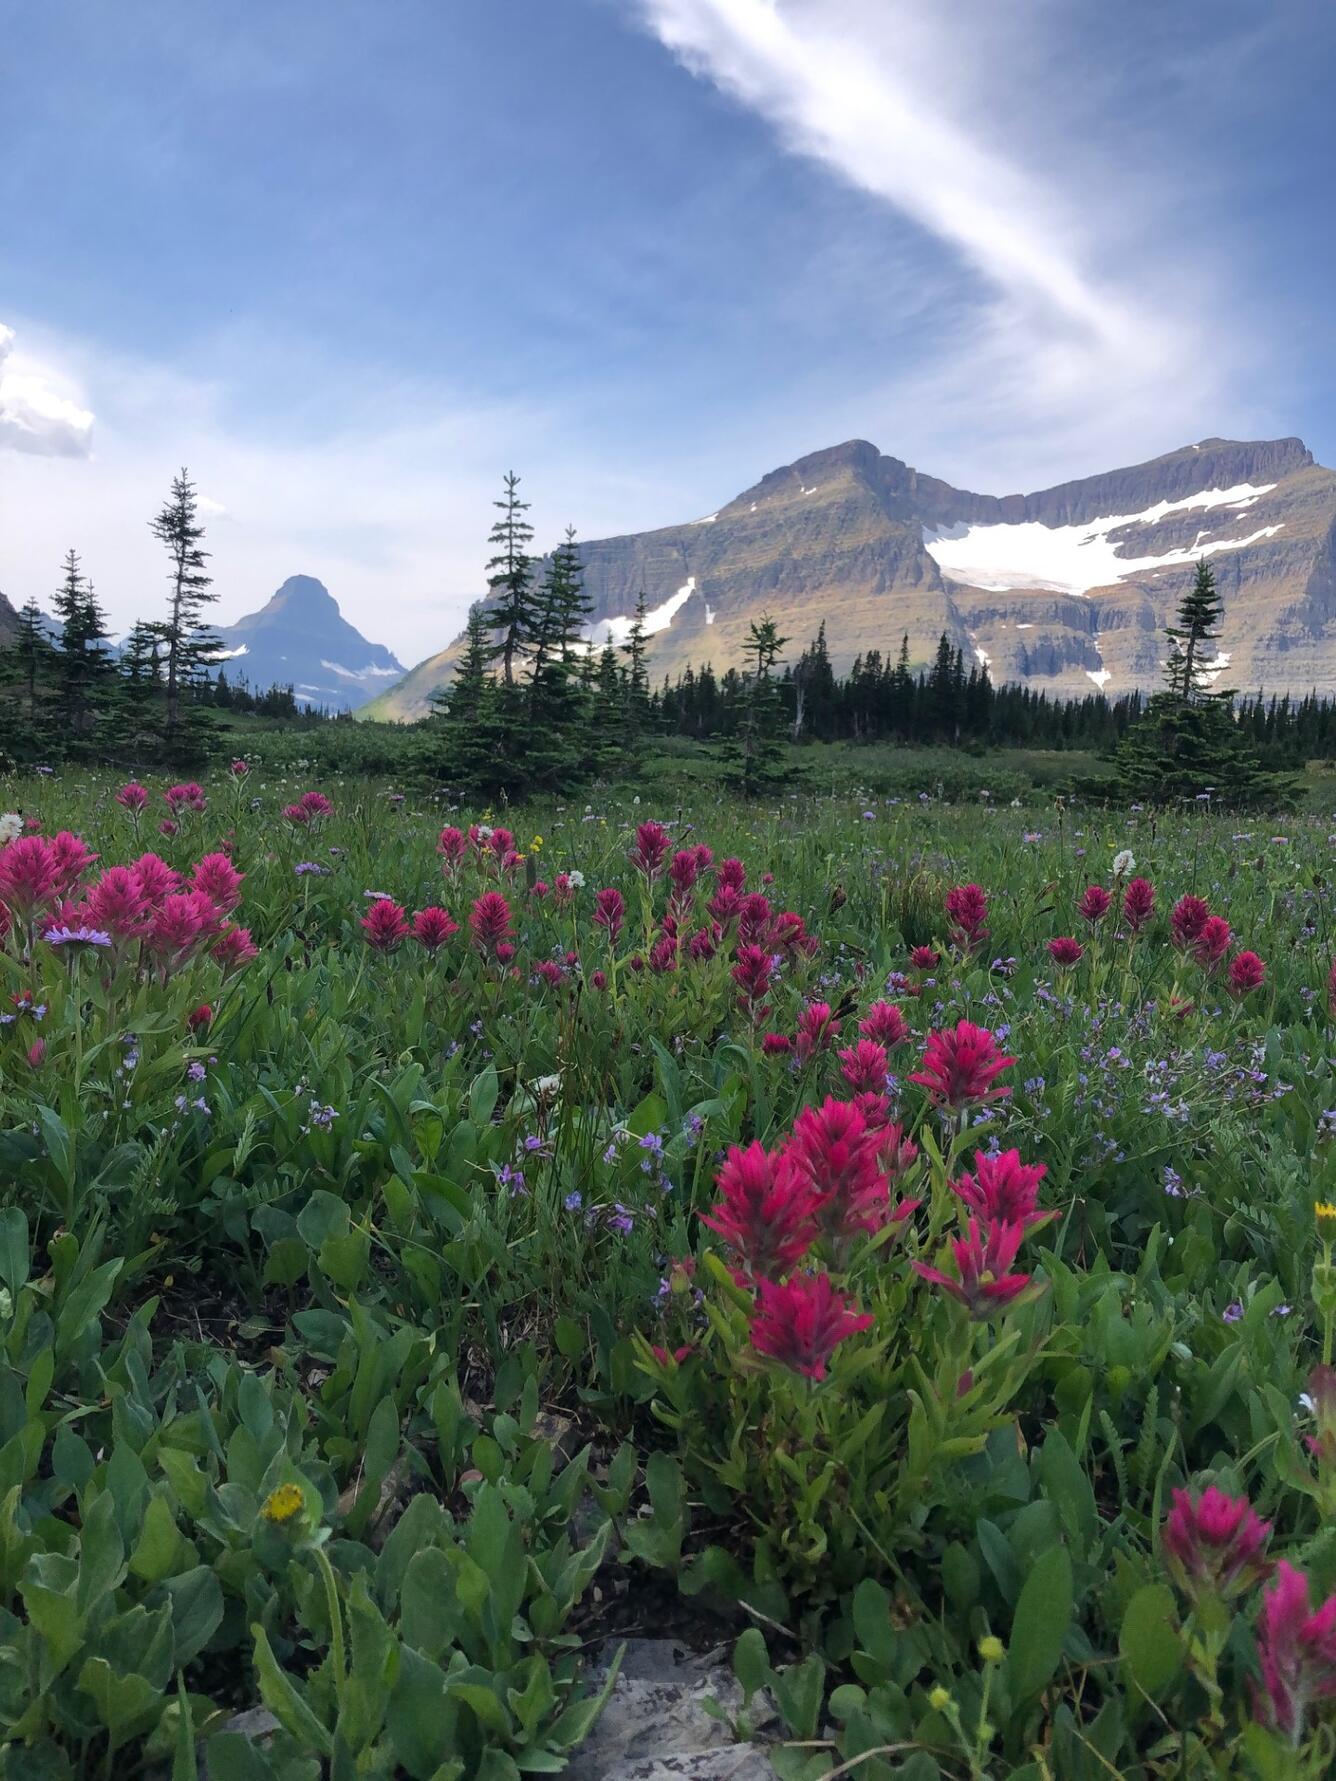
[
  {"x": 1061, "y": 590},
  {"x": 299, "y": 637}
]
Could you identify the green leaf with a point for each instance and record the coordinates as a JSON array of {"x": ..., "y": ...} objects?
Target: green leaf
[
  {"x": 280, "y": 1695},
  {"x": 14, "y": 1253},
  {"x": 483, "y": 1093},
  {"x": 1039, "y": 1629},
  {"x": 196, "y": 1599},
  {"x": 799, "y": 1691},
  {"x": 323, "y": 1216},
  {"x": 1149, "y": 1642},
  {"x": 161, "y": 1548},
  {"x": 751, "y": 1662}
]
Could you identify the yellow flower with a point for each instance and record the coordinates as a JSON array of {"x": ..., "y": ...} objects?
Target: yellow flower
[
  {"x": 992, "y": 1650},
  {"x": 536, "y": 845},
  {"x": 282, "y": 1504},
  {"x": 939, "y": 1699},
  {"x": 1324, "y": 1210}
]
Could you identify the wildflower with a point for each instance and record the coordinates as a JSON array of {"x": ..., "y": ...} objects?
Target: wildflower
[
  {"x": 982, "y": 1261},
  {"x": 573, "y": 1201},
  {"x": 776, "y": 1045},
  {"x": 967, "y": 911},
  {"x": 621, "y": 1218},
  {"x": 599, "y": 980},
  {"x": 155, "y": 878},
  {"x": 1296, "y": 1649},
  {"x": 766, "y": 1209},
  {"x": 817, "y": 1027},
  {"x": 29, "y": 875},
  {"x": 864, "y": 1066},
  {"x": 1065, "y": 952},
  {"x": 11, "y": 827},
  {"x": 453, "y": 847},
  {"x": 433, "y": 926},
  {"x": 884, "y": 1023},
  {"x": 1246, "y": 973},
  {"x": 310, "y": 869},
  {"x": 132, "y": 797},
  {"x": 924, "y": 958},
  {"x": 1094, "y": 904},
  {"x": 489, "y": 922},
  {"x": 802, "y": 1322},
  {"x": 610, "y": 912},
  {"x": 961, "y": 1066},
  {"x": 181, "y": 923},
  {"x": 1004, "y": 1188},
  {"x": 239, "y": 769},
  {"x": 834, "y": 1148},
  {"x": 168, "y": 827},
  {"x": 677, "y": 1356},
  {"x": 1232, "y": 1313},
  {"x": 683, "y": 870},
  {"x": 650, "y": 851},
  {"x": 751, "y": 973},
  {"x": 185, "y": 797},
  {"x": 1138, "y": 903},
  {"x": 991, "y": 1649},
  {"x": 1213, "y": 942},
  {"x": 896, "y": 1153},
  {"x": 282, "y": 1504},
  {"x": 78, "y": 937},
  {"x": 220, "y": 881},
  {"x": 731, "y": 875},
  {"x": 234, "y": 948},
  {"x": 939, "y": 1698},
  {"x": 200, "y": 1019},
  {"x": 385, "y": 925},
  {"x": 1215, "y": 1542},
  {"x": 1123, "y": 863},
  {"x": 36, "y": 1054},
  {"x": 1189, "y": 917}
]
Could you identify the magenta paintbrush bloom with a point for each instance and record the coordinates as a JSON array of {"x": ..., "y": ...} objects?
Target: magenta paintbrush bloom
[
  {"x": 802, "y": 1322},
  {"x": 1296, "y": 1648},
  {"x": 1246, "y": 973},
  {"x": 766, "y": 1209},
  {"x": 1094, "y": 904},
  {"x": 1215, "y": 1542},
  {"x": 982, "y": 1262},
  {"x": 220, "y": 881},
  {"x": 651, "y": 850},
  {"x": 1004, "y": 1189},
  {"x": 864, "y": 1067},
  {"x": 961, "y": 1065},
  {"x": 489, "y": 921},
  {"x": 1065, "y": 951},
  {"x": 967, "y": 912},
  {"x": 884, "y": 1023},
  {"x": 433, "y": 926},
  {"x": 1190, "y": 915},
  {"x": 1138, "y": 903},
  {"x": 385, "y": 925},
  {"x": 610, "y": 912}
]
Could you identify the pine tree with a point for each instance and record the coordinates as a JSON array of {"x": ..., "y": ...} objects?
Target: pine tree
[
  {"x": 635, "y": 682},
  {"x": 468, "y": 746},
  {"x": 83, "y": 665},
  {"x": 1190, "y": 640},
  {"x": 189, "y": 647},
  {"x": 512, "y": 616},
  {"x": 29, "y": 669},
  {"x": 1186, "y": 745},
  {"x": 557, "y": 745},
  {"x": 754, "y": 757}
]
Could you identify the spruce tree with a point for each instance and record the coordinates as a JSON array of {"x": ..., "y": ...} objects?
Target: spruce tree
[
  {"x": 83, "y": 664},
  {"x": 468, "y": 745},
  {"x": 558, "y": 744},
  {"x": 189, "y": 648},
  {"x": 29, "y": 670},
  {"x": 1186, "y": 745},
  {"x": 512, "y": 616},
  {"x": 635, "y": 682},
  {"x": 754, "y": 756}
]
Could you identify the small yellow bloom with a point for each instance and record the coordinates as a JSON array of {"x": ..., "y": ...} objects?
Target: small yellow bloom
[
  {"x": 992, "y": 1650},
  {"x": 1324, "y": 1210},
  {"x": 536, "y": 845},
  {"x": 282, "y": 1504},
  {"x": 939, "y": 1699}
]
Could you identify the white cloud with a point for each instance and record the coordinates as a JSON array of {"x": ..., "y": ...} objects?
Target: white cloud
[
  {"x": 1052, "y": 335},
  {"x": 36, "y": 415}
]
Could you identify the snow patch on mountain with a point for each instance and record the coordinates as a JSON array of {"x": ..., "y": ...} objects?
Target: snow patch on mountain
[
  {"x": 658, "y": 618},
  {"x": 1071, "y": 559}
]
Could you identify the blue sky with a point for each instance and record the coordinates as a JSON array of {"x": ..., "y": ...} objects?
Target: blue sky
[{"x": 350, "y": 261}]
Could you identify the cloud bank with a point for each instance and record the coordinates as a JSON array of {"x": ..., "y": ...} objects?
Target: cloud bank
[
  {"x": 35, "y": 417},
  {"x": 1042, "y": 340}
]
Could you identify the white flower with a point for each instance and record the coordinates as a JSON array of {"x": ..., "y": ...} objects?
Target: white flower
[
  {"x": 577, "y": 880},
  {"x": 1123, "y": 863},
  {"x": 11, "y": 827}
]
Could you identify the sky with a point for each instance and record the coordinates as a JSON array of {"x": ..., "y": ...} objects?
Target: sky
[{"x": 348, "y": 262}]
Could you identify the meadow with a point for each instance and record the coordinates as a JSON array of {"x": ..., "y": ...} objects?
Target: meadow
[{"x": 895, "y": 1230}]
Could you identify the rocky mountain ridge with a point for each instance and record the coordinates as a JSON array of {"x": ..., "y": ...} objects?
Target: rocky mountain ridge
[{"x": 1065, "y": 589}]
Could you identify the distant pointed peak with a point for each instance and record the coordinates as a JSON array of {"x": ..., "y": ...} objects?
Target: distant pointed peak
[{"x": 306, "y": 593}]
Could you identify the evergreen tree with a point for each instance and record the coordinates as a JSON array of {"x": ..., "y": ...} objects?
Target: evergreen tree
[
  {"x": 83, "y": 665},
  {"x": 557, "y": 745},
  {"x": 512, "y": 616},
  {"x": 1191, "y": 639},
  {"x": 29, "y": 670},
  {"x": 468, "y": 746},
  {"x": 189, "y": 648},
  {"x": 754, "y": 757},
  {"x": 635, "y": 682},
  {"x": 1187, "y": 745}
]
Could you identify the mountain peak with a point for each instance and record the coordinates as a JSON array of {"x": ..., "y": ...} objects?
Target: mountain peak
[{"x": 300, "y": 638}]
